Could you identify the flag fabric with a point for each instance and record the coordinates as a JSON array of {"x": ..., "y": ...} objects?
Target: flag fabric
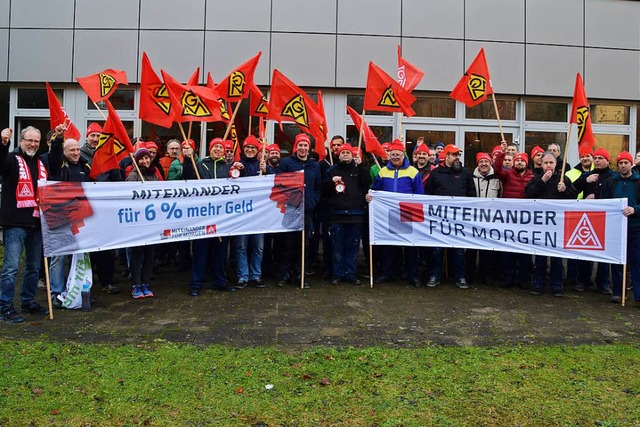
[
  {"x": 319, "y": 130},
  {"x": 383, "y": 93},
  {"x": 475, "y": 85},
  {"x": 155, "y": 103},
  {"x": 57, "y": 116},
  {"x": 113, "y": 146},
  {"x": 222, "y": 113},
  {"x": 101, "y": 86},
  {"x": 371, "y": 143},
  {"x": 289, "y": 103},
  {"x": 258, "y": 104},
  {"x": 192, "y": 103},
  {"x": 408, "y": 74},
  {"x": 194, "y": 80},
  {"x": 581, "y": 115},
  {"x": 236, "y": 85}
]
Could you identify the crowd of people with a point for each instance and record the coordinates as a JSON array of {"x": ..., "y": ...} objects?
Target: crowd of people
[{"x": 336, "y": 215}]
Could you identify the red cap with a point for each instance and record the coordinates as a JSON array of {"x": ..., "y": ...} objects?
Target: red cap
[
  {"x": 397, "y": 146},
  {"x": 215, "y": 141},
  {"x": 345, "y": 147},
  {"x": 481, "y": 156},
  {"x": 451, "y": 149},
  {"x": 441, "y": 156},
  {"x": 522, "y": 156},
  {"x": 602, "y": 152},
  {"x": 301, "y": 137},
  {"x": 496, "y": 149},
  {"x": 93, "y": 127},
  {"x": 151, "y": 144},
  {"x": 386, "y": 146},
  {"x": 422, "y": 148},
  {"x": 273, "y": 147},
  {"x": 228, "y": 145},
  {"x": 624, "y": 155},
  {"x": 535, "y": 151},
  {"x": 251, "y": 141},
  {"x": 191, "y": 143}
]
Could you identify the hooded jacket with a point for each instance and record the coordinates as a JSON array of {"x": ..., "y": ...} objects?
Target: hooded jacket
[
  {"x": 513, "y": 183},
  {"x": 619, "y": 187},
  {"x": 446, "y": 181},
  {"x": 404, "y": 179},
  {"x": 207, "y": 167},
  {"x": 488, "y": 186},
  {"x": 60, "y": 169}
]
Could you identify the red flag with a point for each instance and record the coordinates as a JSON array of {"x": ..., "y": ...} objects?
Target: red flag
[
  {"x": 289, "y": 103},
  {"x": 319, "y": 130},
  {"x": 408, "y": 74},
  {"x": 192, "y": 103},
  {"x": 581, "y": 115},
  {"x": 371, "y": 143},
  {"x": 155, "y": 103},
  {"x": 258, "y": 104},
  {"x": 236, "y": 85},
  {"x": 222, "y": 113},
  {"x": 474, "y": 87},
  {"x": 113, "y": 146},
  {"x": 57, "y": 116},
  {"x": 101, "y": 86},
  {"x": 385, "y": 94},
  {"x": 194, "y": 80}
]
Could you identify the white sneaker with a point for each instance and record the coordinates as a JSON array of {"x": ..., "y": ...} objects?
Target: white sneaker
[{"x": 42, "y": 284}]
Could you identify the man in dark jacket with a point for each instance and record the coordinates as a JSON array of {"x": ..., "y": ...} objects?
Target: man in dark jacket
[
  {"x": 211, "y": 250},
  {"x": 549, "y": 185},
  {"x": 300, "y": 161},
  {"x": 626, "y": 184},
  {"x": 345, "y": 187},
  {"x": 450, "y": 179},
  {"x": 93, "y": 137},
  {"x": 20, "y": 219}
]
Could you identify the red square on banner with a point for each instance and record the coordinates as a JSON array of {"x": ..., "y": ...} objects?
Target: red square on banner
[
  {"x": 411, "y": 212},
  {"x": 585, "y": 230}
]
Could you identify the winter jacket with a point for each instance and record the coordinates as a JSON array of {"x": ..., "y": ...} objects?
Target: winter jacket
[
  {"x": 619, "y": 187},
  {"x": 576, "y": 173},
  {"x": 10, "y": 214},
  {"x": 513, "y": 183},
  {"x": 60, "y": 169},
  {"x": 312, "y": 180},
  {"x": 207, "y": 167},
  {"x": 405, "y": 179},
  {"x": 87, "y": 153},
  {"x": 488, "y": 186},
  {"x": 352, "y": 201},
  {"x": 150, "y": 174},
  {"x": 446, "y": 181},
  {"x": 251, "y": 166},
  {"x": 538, "y": 189},
  {"x": 594, "y": 188}
]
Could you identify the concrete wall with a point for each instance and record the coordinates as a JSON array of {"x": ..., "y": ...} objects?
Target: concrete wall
[{"x": 533, "y": 47}]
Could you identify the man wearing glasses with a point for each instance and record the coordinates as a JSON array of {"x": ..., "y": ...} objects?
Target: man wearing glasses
[
  {"x": 20, "y": 219},
  {"x": 450, "y": 179}
]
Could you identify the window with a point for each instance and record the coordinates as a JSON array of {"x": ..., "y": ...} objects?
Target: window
[
  {"x": 614, "y": 144},
  {"x": 610, "y": 114},
  {"x": 36, "y": 98},
  {"x": 486, "y": 110},
  {"x": 122, "y": 99},
  {"x": 434, "y": 107},
  {"x": 481, "y": 142},
  {"x": 545, "y": 111},
  {"x": 543, "y": 139},
  {"x": 357, "y": 102}
]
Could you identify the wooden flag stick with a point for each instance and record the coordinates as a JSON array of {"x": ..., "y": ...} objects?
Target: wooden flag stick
[
  {"x": 48, "y": 281},
  {"x": 100, "y": 111},
  {"x": 189, "y": 130},
  {"x": 330, "y": 154},
  {"x": 566, "y": 150},
  {"x": 624, "y": 283},
  {"x": 193, "y": 160},
  {"x": 375, "y": 159},
  {"x": 361, "y": 130},
  {"x": 250, "y": 124},
  {"x": 302, "y": 265},
  {"x": 370, "y": 265},
  {"x": 495, "y": 107},
  {"x": 233, "y": 117},
  {"x": 135, "y": 165}
]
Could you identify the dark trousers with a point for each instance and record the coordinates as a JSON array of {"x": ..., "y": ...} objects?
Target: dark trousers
[
  {"x": 345, "y": 240},
  {"x": 540, "y": 274},
  {"x": 213, "y": 252},
  {"x": 141, "y": 264}
]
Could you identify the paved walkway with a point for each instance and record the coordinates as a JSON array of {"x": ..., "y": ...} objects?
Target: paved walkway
[{"x": 391, "y": 314}]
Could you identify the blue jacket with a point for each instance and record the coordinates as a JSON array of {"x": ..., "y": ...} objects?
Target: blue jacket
[
  {"x": 405, "y": 179},
  {"x": 619, "y": 187},
  {"x": 312, "y": 182}
]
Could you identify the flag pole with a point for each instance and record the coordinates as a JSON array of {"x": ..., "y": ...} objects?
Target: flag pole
[
  {"x": 249, "y": 124},
  {"x": 99, "y": 110},
  {"x": 48, "y": 281},
  {"x": 135, "y": 165},
  {"x": 375, "y": 159},
  {"x": 566, "y": 150},
  {"x": 193, "y": 160},
  {"x": 330, "y": 155},
  {"x": 189, "y": 130},
  {"x": 495, "y": 107},
  {"x": 361, "y": 130},
  {"x": 233, "y": 117},
  {"x": 302, "y": 265},
  {"x": 624, "y": 283}
]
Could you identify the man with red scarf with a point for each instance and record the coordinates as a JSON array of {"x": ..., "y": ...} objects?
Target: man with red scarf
[{"x": 20, "y": 220}]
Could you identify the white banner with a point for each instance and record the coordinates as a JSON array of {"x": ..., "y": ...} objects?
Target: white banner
[
  {"x": 86, "y": 217},
  {"x": 579, "y": 229}
]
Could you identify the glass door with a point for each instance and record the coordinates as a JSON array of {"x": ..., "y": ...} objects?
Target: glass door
[{"x": 482, "y": 140}]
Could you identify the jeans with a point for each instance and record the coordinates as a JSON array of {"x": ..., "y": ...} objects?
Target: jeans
[
  {"x": 580, "y": 271},
  {"x": 603, "y": 275},
  {"x": 211, "y": 251},
  {"x": 345, "y": 240},
  {"x": 56, "y": 274},
  {"x": 456, "y": 258},
  {"x": 15, "y": 240},
  {"x": 633, "y": 260},
  {"x": 540, "y": 274},
  {"x": 249, "y": 251},
  {"x": 390, "y": 256}
]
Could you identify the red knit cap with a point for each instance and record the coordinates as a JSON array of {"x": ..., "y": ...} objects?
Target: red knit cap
[
  {"x": 522, "y": 156},
  {"x": 496, "y": 149},
  {"x": 422, "y": 148},
  {"x": 301, "y": 137},
  {"x": 535, "y": 151},
  {"x": 251, "y": 141},
  {"x": 481, "y": 156},
  {"x": 273, "y": 147},
  {"x": 215, "y": 141},
  {"x": 191, "y": 143},
  {"x": 93, "y": 127},
  {"x": 624, "y": 155},
  {"x": 602, "y": 152}
]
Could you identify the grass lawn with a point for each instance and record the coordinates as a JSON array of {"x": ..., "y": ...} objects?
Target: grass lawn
[{"x": 170, "y": 384}]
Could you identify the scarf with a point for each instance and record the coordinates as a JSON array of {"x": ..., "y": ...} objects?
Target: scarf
[{"x": 25, "y": 193}]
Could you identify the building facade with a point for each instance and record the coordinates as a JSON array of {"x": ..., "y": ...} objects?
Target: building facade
[{"x": 534, "y": 49}]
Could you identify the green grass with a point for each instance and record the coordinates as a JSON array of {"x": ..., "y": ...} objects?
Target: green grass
[{"x": 170, "y": 384}]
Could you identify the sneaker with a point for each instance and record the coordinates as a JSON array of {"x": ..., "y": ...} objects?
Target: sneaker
[
  {"x": 415, "y": 283},
  {"x": 33, "y": 307},
  {"x": 136, "y": 292},
  {"x": 41, "y": 284},
  {"x": 432, "y": 282},
  {"x": 111, "y": 289},
  {"x": 258, "y": 283},
  {"x": 146, "y": 291},
  {"x": 335, "y": 281},
  {"x": 382, "y": 279},
  {"x": 616, "y": 299},
  {"x": 558, "y": 294},
  {"x": 9, "y": 314},
  {"x": 241, "y": 285},
  {"x": 352, "y": 280},
  {"x": 194, "y": 292},
  {"x": 55, "y": 301},
  {"x": 534, "y": 292},
  {"x": 282, "y": 283},
  {"x": 580, "y": 288},
  {"x": 606, "y": 291},
  {"x": 462, "y": 284}
]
